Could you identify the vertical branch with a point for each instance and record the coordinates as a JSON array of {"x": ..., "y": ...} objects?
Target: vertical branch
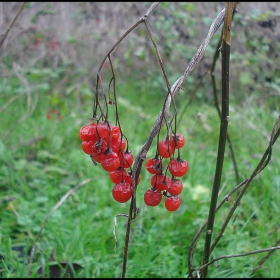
[
  {"x": 223, "y": 133},
  {"x": 216, "y": 102}
]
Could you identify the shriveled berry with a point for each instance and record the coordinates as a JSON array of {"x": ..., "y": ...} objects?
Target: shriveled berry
[
  {"x": 110, "y": 161},
  {"x": 175, "y": 187},
  {"x": 178, "y": 167},
  {"x": 88, "y": 133},
  {"x": 126, "y": 159},
  {"x": 172, "y": 203},
  {"x": 178, "y": 139},
  {"x": 152, "y": 197},
  {"x": 160, "y": 182},
  {"x": 166, "y": 148},
  {"x": 119, "y": 175},
  {"x": 122, "y": 192},
  {"x": 154, "y": 166}
]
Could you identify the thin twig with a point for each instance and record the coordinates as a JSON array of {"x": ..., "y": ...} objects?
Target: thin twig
[
  {"x": 60, "y": 202},
  {"x": 245, "y": 183},
  {"x": 10, "y": 27},
  {"x": 264, "y": 259},
  {"x": 262, "y": 164},
  {"x": 238, "y": 255}
]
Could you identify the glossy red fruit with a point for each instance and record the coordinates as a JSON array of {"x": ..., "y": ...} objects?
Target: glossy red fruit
[
  {"x": 110, "y": 161},
  {"x": 100, "y": 146},
  {"x": 96, "y": 157},
  {"x": 175, "y": 187},
  {"x": 152, "y": 197},
  {"x": 160, "y": 182},
  {"x": 172, "y": 203},
  {"x": 154, "y": 166},
  {"x": 129, "y": 178},
  {"x": 119, "y": 176},
  {"x": 115, "y": 132},
  {"x": 103, "y": 129},
  {"x": 178, "y": 140},
  {"x": 166, "y": 148},
  {"x": 88, "y": 147},
  {"x": 118, "y": 144},
  {"x": 88, "y": 133},
  {"x": 126, "y": 159},
  {"x": 178, "y": 167},
  {"x": 122, "y": 192}
]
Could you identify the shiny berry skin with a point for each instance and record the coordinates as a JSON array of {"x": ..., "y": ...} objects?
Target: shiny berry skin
[
  {"x": 118, "y": 144},
  {"x": 152, "y": 197},
  {"x": 103, "y": 130},
  {"x": 88, "y": 147},
  {"x": 175, "y": 187},
  {"x": 88, "y": 133},
  {"x": 126, "y": 159},
  {"x": 166, "y": 148},
  {"x": 129, "y": 178},
  {"x": 110, "y": 161},
  {"x": 154, "y": 166},
  {"x": 100, "y": 146},
  {"x": 118, "y": 176},
  {"x": 122, "y": 192},
  {"x": 178, "y": 167},
  {"x": 172, "y": 203},
  {"x": 96, "y": 157},
  {"x": 178, "y": 140},
  {"x": 115, "y": 132},
  {"x": 160, "y": 182}
]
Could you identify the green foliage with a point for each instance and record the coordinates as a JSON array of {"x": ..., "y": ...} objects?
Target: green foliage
[{"x": 41, "y": 159}]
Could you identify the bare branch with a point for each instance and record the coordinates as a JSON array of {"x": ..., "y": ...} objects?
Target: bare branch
[
  {"x": 10, "y": 27},
  {"x": 238, "y": 255}
]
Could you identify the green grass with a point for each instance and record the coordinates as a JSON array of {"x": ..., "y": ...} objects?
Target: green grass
[{"x": 42, "y": 159}]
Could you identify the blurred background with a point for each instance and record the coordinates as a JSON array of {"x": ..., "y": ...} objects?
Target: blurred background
[{"x": 48, "y": 68}]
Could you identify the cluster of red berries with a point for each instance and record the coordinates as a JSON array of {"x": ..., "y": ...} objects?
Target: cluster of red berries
[
  {"x": 106, "y": 145},
  {"x": 161, "y": 184}
]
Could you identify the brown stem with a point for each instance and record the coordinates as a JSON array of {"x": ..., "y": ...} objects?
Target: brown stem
[
  {"x": 13, "y": 22},
  {"x": 223, "y": 134}
]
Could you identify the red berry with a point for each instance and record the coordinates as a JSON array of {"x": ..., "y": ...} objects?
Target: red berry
[
  {"x": 178, "y": 167},
  {"x": 126, "y": 159},
  {"x": 122, "y": 192},
  {"x": 88, "y": 133},
  {"x": 152, "y": 197},
  {"x": 88, "y": 147},
  {"x": 100, "y": 146},
  {"x": 96, "y": 157},
  {"x": 115, "y": 132},
  {"x": 103, "y": 130},
  {"x": 160, "y": 182},
  {"x": 129, "y": 178},
  {"x": 118, "y": 144},
  {"x": 119, "y": 175},
  {"x": 175, "y": 187},
  {"x": 154, "y": 166},
  {"x": 179, "y": 140},
  {"x": 166, "y": 148},
  {"x": 172, "y": 203},
  {"x": 110, "y": 161}
]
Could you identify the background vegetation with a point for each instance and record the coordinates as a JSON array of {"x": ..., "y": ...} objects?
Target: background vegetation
[{"x": 48, "y": 69}]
